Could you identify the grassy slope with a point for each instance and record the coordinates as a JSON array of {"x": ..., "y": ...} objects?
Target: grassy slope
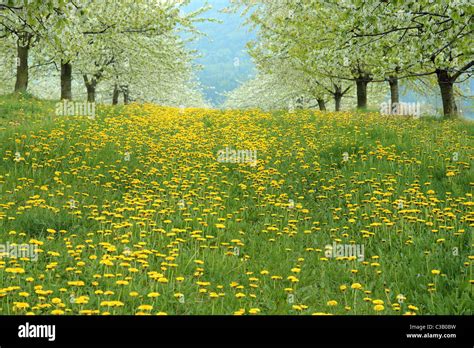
[{"x": 128, "y": 221}]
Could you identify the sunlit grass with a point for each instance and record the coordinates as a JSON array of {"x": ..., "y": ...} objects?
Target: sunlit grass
[{"x": 172, "y": 230}]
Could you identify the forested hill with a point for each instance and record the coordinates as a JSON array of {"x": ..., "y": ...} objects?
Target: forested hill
[{"x": 224, "y": 44}]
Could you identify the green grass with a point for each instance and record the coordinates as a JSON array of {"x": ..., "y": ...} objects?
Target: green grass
[{"x": 134, "y": 206}]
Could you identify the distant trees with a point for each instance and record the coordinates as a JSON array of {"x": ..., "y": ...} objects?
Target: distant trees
[
  {"x": 24, "y": 22},
  {"x": 335, "y": 42},
  {"x": 136, "y": 47},
  {"x": 433, "y": 37}
]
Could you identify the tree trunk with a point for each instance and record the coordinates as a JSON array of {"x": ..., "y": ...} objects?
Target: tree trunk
[
  {"x": 337, "y": 97},
  {"x": 66, "y": 80},
  {"x": 90, "y": 93},
  {"x": 115, "y": 95},
  {"x": 126, "y": 96},
  {"x": 21, "y": 84},
  {"x": 361, "y": 84},
  {"x": 90, "y": 87},
  {"x": 446, "y": 86},
  {"x": 394, "y": 94},
  {"x": 322, "y": 104},
  {"x": 337, "y": 101},
  {"x": 300, "y": 103}
]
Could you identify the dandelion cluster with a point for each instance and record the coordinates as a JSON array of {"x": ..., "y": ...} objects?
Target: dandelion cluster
[{"x": 131, "y": 213}]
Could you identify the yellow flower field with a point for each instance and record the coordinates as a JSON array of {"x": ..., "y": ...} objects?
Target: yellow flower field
[{"x": 132, "y": 213}]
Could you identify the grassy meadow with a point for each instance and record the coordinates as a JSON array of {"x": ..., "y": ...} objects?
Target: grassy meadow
[{"x": 131, "y": 213}]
